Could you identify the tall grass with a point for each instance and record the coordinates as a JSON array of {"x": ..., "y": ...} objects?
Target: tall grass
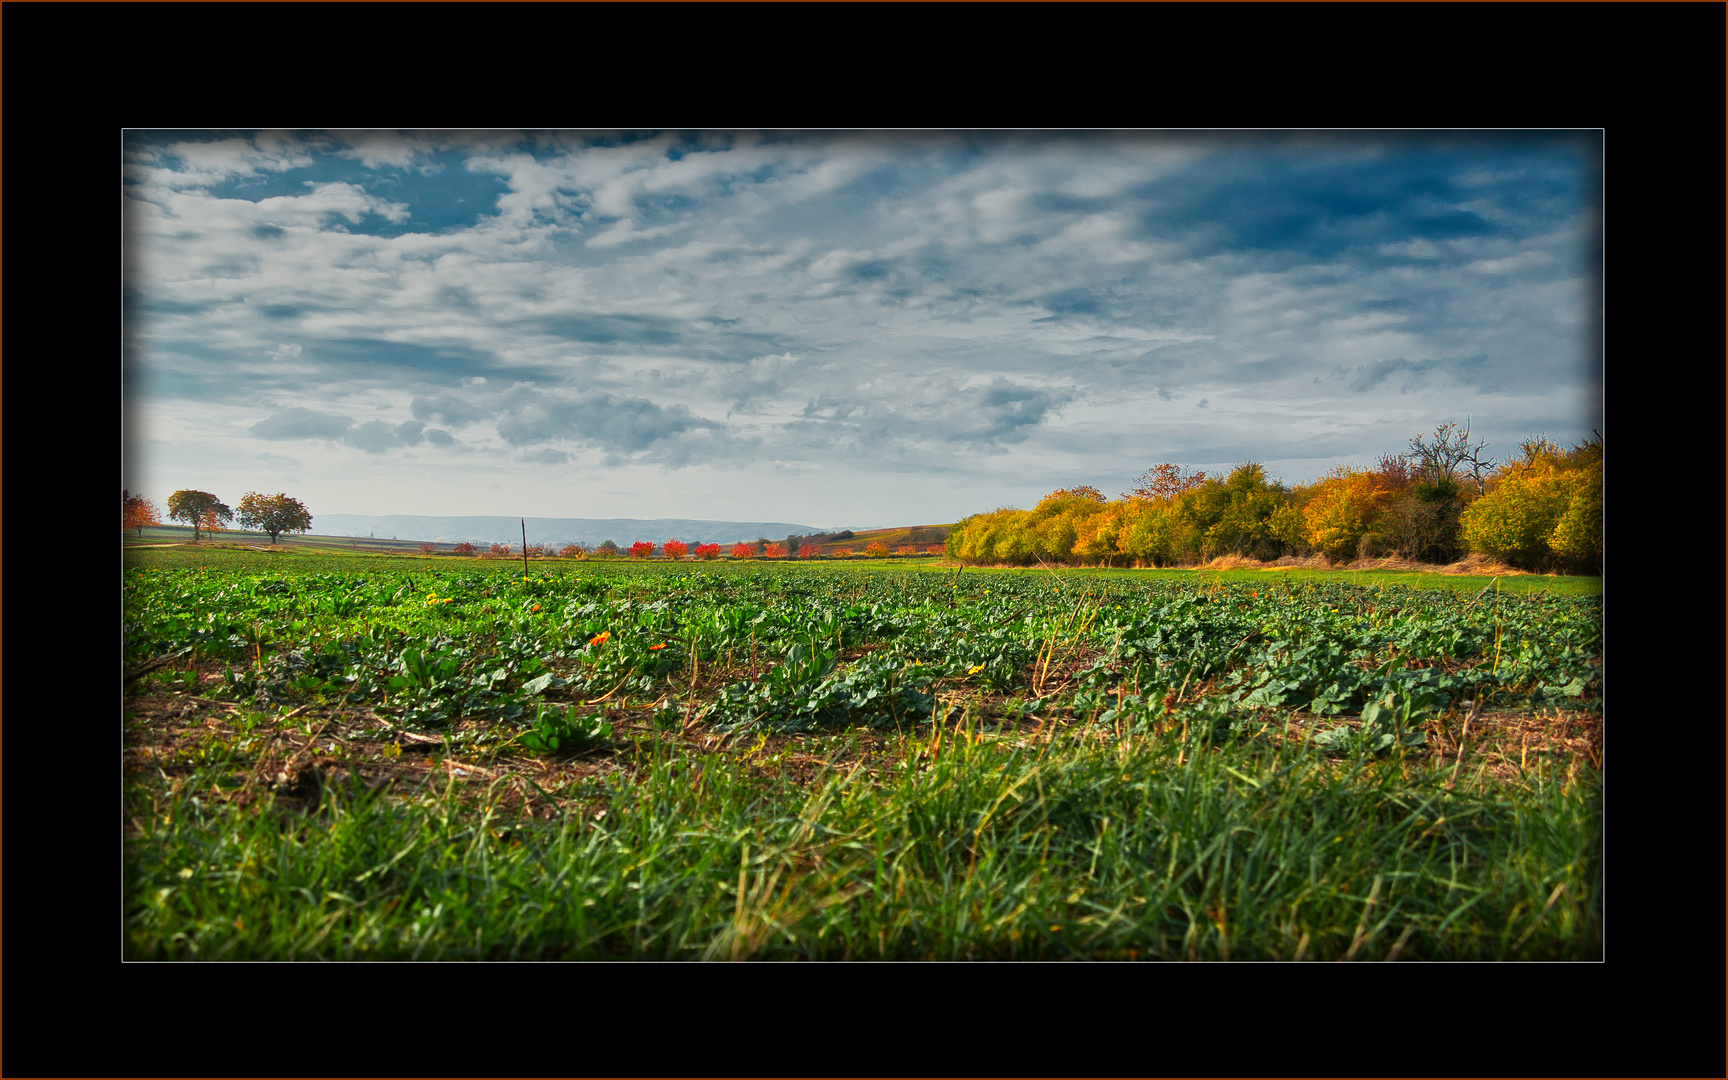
[{"x": 953, "y": 845}]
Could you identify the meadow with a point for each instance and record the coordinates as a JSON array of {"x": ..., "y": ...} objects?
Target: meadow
[{"x": 335, "y": 756}]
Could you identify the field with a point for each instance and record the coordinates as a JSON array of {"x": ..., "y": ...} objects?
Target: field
[{"x": 339, "y": 756}]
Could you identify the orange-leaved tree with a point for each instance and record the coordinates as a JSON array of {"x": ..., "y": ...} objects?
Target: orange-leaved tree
[
  {"x": 139, "y": 512},
  {"x": 707, "y": 551},
  {"x": 675, "y": 549},
  {"x": 1342, "y": 506},
  {"x": 641, "y": 549},
  {"x": 741, "y": 550},
  {"x": 774, "y": 551}
]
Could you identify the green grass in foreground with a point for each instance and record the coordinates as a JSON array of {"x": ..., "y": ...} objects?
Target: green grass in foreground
[{"x": 973, "y": 848}]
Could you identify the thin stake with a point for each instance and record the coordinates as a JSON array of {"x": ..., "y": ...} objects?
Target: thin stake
[{"x": 524, "y": 522}]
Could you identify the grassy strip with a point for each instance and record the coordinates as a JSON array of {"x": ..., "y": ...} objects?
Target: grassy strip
[
  {"x": 303, "y": 559},
  {"x": 957, "y": 845}
]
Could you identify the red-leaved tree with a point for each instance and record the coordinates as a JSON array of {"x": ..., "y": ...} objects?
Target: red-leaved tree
[
  {"x": 464, "y": 548},
  {"x": 707, "y": 551},
  {"x": 641, "y": 549},
  {"x": 809, "y": 551},
  {"x": 742, "y": 550},
  {"x": 774, "y": 551},
  {"x": 675, "y": 549}
]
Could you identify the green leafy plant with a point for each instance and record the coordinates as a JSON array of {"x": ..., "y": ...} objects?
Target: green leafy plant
[{"x": 556, "y": 730}]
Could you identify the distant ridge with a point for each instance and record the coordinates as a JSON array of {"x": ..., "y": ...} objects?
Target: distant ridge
[{"x": 587, "y": 531}]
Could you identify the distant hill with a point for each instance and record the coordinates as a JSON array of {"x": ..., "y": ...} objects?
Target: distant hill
[{"x": 557, "y": 531}]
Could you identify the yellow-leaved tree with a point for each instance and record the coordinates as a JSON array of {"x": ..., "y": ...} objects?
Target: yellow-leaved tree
[{"x": 1543, "y": 510}]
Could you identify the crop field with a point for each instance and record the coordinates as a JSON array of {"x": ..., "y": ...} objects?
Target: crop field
[{"x": 356, "y": 757}]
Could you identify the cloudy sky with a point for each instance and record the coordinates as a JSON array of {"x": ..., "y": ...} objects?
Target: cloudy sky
[{"x": 836, "y": 329}]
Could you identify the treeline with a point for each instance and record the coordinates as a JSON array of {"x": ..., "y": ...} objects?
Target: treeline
[{"x": 1541, "y": 511}]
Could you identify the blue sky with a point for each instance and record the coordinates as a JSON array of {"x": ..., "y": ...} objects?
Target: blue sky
[{"x": 837, "y": 329}]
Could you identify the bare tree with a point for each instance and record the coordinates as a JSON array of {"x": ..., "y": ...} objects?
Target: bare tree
[{"x": 1449, "y": 456}]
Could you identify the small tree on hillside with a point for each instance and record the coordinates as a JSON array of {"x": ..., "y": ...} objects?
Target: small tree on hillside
[
  {"x": 197, "y": 509},
  {"x": 274, "y": 514}
]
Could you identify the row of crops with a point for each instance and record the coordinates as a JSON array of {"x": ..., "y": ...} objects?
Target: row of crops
[{"x": 806, "y": 648}]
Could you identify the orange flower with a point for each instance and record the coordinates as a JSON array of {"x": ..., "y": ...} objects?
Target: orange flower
[
  {"x": 536, "y": 607},
  {"x": 651, "y": 648},
  {"x": 600, "y": 638}
]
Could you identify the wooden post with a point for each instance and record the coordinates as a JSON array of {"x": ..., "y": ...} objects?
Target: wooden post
[{"x": 524, "y": 522}]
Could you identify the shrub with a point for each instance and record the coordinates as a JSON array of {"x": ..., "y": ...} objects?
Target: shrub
[
  {"x": 1341, "y": 508},
  {"x": 876, "y": 550},
  {"x": 428, "y": 549},
  {"x": 500, "y": 549},
  {"x": 906, "y": 549},
  {"x": 571, "y": 551},
  {"x": 1544, "y": 511},
  {"x": 464, "y": 548},
  {"x": 809, "y": 551}
]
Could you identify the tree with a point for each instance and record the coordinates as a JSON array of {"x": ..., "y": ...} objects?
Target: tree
[
  {"x": 274, "y": 514},
  {"x": 606, "y": 550},
  {"x": 1165, "y": 482},
  {"x": 195, "y": 508},
  {"x": 741, "y": 550},
  {"x": 773, "y": 551},
  {"x": 675, "y": 549},
  {"x": 139, "y": 512},
  {"x": 641, "y": 549},
  {"x": 1449, "y": 457},
  {"x": 464, "y": 548}
]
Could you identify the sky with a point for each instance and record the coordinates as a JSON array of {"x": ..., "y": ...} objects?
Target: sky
[{"x": 837, "y": 329}]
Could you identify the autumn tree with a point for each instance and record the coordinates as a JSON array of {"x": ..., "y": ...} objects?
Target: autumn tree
[
  {"x": 139, "y": 512},
  {"x": 707, "y": 551},
  {"x": 464, "y": 548},
  {"x": 274, "y": 514},
  {"x": 1164, "y": 482},
  {"x": 675, "y": 549},
  {"x": 197, "y": 508},
  {"x": 1542, "y": 510},
  {"x": 773, "y": 551},
  {"x": 641, "y": 549},
  {"x": 809, "y": 551},
  {"x": 741, "y": 550}
]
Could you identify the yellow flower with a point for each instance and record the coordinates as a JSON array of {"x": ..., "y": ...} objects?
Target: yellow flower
[{"x": 975, "y": 669}]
